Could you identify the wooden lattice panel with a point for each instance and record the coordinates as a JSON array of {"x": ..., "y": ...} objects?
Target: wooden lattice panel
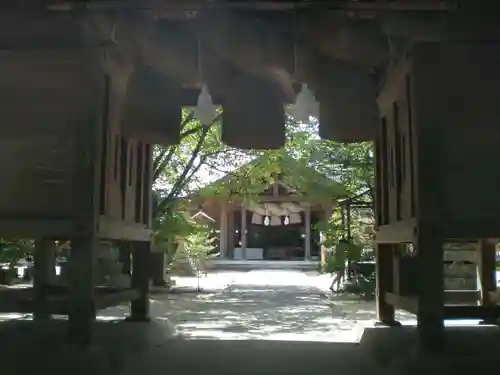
[
  {"x": 461, "y": 112},
  {"x": 37, "y": 177},
  {"x": 395, "y": 145},
  {"x": 126, "y": 164},
  {"x": 41, "y": 107},
  {"x": 438, "y": 142}
]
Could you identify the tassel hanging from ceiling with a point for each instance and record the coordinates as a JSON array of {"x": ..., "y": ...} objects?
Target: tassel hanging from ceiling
[
  {"x": 295, "y": 218},
  {"x": 305, "y": 105},
  {"x": 257, "y": 219},
  {"x": 275, "y": 221},
  {"x": 253, "y": 115},
  {"x": 348, "y": 103},
  {"x": 152, "y": 110}
]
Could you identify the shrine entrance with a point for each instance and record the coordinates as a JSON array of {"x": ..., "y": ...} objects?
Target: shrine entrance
[
  {"x": 281, "y": 242},
  {"x": 280, "y": 222},
  {"x": 89, "y": 87}
]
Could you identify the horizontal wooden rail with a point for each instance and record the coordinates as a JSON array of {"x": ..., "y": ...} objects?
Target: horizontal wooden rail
[
  {"x": 459, "y": 297},
  {"x": 409, "y": 304},
  {"x": 22, "y": 300},
  {"x": 398, "y": 232},
  {"x": 494, "y": 297},
  {"x": 458, "y": 303}
]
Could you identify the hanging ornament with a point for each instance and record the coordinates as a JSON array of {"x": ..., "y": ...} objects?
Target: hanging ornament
[
  {"x": 342, "y": 90},
  {"x": 275, "y": 221},
  {"x": 287, "y": 220},
  {"x": 267, "y": 221},
  {"x": 152, "y": 107},
  {"x": 256, "y": 218},
  {"x": 305, "y": 105},
  {"x": 205, "y": 110},
  {"x": 253, "y": 116}
]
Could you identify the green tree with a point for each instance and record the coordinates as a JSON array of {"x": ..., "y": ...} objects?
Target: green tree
[
  {"x": 197, "y": 247},
  {"x": 177, "y": 171},
  {"x": 181, "y": 169},
  {"x": 11, "y": 251}
]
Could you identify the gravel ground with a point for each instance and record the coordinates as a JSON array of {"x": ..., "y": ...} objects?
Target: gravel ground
[
  {"x": 261, "y": 304},
  {"x": 254, "y": 322}
]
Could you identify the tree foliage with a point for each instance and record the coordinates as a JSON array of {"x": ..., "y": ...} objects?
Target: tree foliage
[
  {"x": 320, "y": 170},
  {"x": 13, "y": 250}
]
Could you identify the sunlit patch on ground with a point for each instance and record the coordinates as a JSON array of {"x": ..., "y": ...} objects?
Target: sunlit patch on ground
[{"x": 260, "y": 305}]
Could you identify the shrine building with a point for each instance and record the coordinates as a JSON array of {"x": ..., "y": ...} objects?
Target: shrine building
[
  {"x": 279, "y": 222},
  {"x": 89, "y": 87}
]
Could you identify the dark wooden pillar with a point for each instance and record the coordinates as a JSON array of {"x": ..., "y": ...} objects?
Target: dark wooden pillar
[
  {"x": 125, "y": 259},
  {"x": 81, "y": 289},
  {"x": 44, "y": 272},
  {"x": 158, "y": 268},
  {"x": 430, "y": 317},
  {"x": 141, "y": 258},
  {"x": 385, "y": 277},
  {"x": 487, "y": 278}
]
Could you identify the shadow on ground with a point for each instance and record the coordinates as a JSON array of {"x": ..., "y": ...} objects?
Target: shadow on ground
[
  {"x": 255, "y": 312},
  {"x": 138, "y": 348},
  {"x": 263, "y": 312},
  {"x": 361, "y": 311}
]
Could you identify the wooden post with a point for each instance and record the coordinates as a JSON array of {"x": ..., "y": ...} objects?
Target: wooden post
[
  {"x": 487, "y": 278},
  {"x": 349, "y": 239},
  {"x": 44, "y": 272},
  {"x": 396, "y": 273},
  {"x": 81, "y": 289},
  {"x": 385, "y": 283},
  {"x": 125, "y": 259},
  {"x": 243, "y": 232},
  {"x": 223, "y": 232},
  {"x": 430, "y": 317},
  {"x": 141, "y": 258},
  {"x": 157, "y": 268},
  {"x": 307, "y": 244},
  {"x": 86, "y": 181},
  {"x": 231, "y": 234}
]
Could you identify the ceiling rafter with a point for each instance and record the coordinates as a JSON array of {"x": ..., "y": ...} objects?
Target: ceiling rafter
[{"x": 259, "y": 5}]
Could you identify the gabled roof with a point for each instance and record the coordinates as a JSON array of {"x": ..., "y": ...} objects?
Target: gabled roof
[
  {"x": 202, "y": 214},
  {"x": 256, "y": 176}
]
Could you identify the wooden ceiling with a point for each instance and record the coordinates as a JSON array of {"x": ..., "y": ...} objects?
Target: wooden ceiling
[
  {"x": 188, "y": 38},
  {"x": 340, "y": 48}
]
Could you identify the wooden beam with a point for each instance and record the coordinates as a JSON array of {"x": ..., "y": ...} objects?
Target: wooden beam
[
  {"x": 409, "y": 304},
  {"x": 243, "y": 232},
  {"x": 430, "y": 317},
  {"x": 474, "y": 227},
  {"x": 262, "y": 5},
  {"x": 81, "y": 289},
  {"x": 38, "y": 227},
  {"x": 307, "y": 239},
  {"x": 385, "y": 282},
  {"x": 398, "y": 232},
  {"x": 120, "y": 230},
  {"x": 58, "y": 300},
  {"x": 459, "y": 297},
  {"x": 487, "y": 277},
  {"x": 285, "y": 198},
  {"x": 141, "y": 260},
  {"x": 86, "y": 185},
  {"x": 44, "y": 271},
  {"x": 470, "y": 312},
  {"x": 495, "y": 297},
  {"x": 223, "y": 227},
  {"x": 116, "y": 298}
]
